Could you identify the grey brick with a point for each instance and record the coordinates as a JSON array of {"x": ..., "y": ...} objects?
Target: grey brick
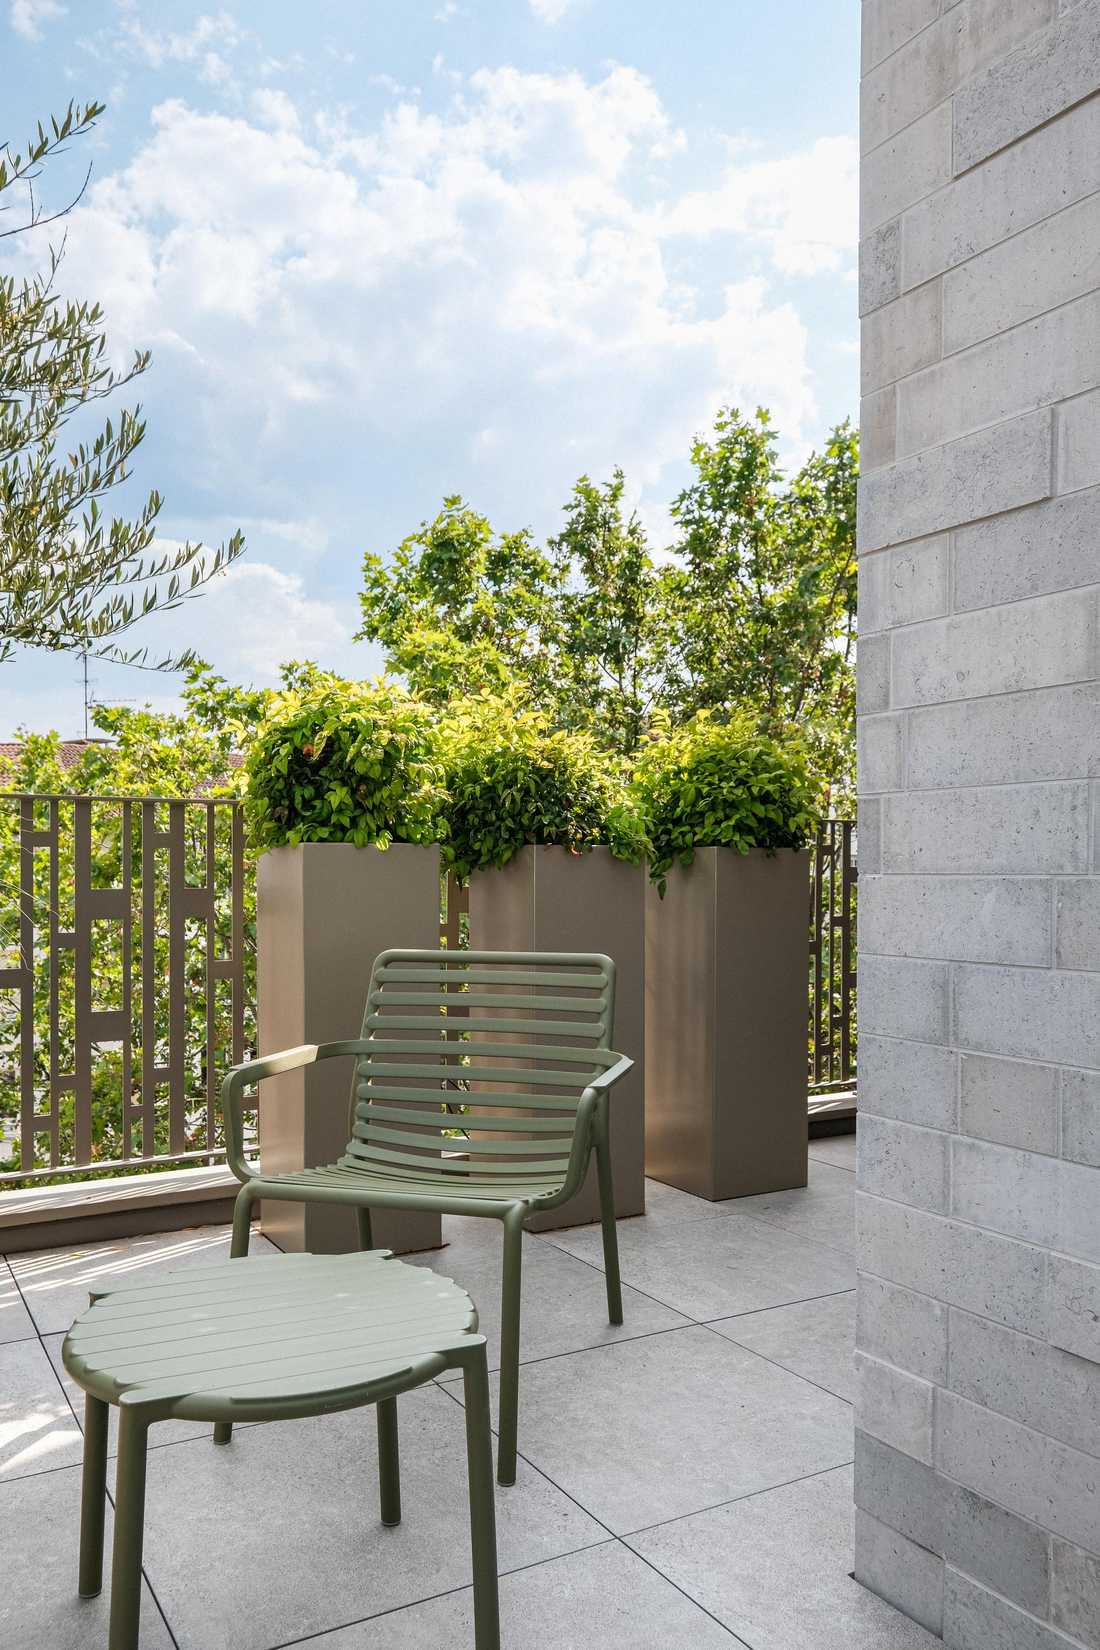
[
  {"x": 1049, "y": 264},
  {"x": 878, "y": 429},
  {"x": 1045, "y": 642},
  {"x": 976, "y": 1619},
  {"x": 960, "y": 919},
  {"x": 1034, "y": 1013},
  {"x": 1078, "y": 933},
  {"x": 1050, "y": 734},
  {"x": 873, "y": 683},
  {"x": 1074, "y": 1307},
  {"x": 1078, "y": 444},
  {"x": 905, "y": 1575},
  {"x": 894, "y": 1407},
  {"x": 908, "y": 167},
  {"x": 999, "y": 830},
  {"x": 1028, "y": 1380},
  {"x": 881, "y": 753},
  {"x": 1078, "y": 1230},
  {"x": 900, "y": 998},
  {"x": 888, "y": 24},
  {"x": 904, "y": 1162},
  {"x": 997, "y": 1277},
  {"x": 1004, "y": 1190},
  {"x": 914, "y": 1082},
  {"x": 1081, "y": 1117},
  {"x": 869, "y": 834},
  {"x": 1050, "y": 73},
  {"x": 903, "y": 1328},
  {"x": 901, "y": 337},
  {"x": 904, "y": 586},
  {"x": 880, "y": 266},
  {"x": 1051, "y": 546},
  {"x": 1075, "y": 1593},
  {"x": 927, "y": 68},
  {"x": 1012, "y": 1102},
  {"x": 997, "y": 1548},
  {"x": 902, "y": 1493},
  {"x": 1023, "y": 1470},
  {"x": 1019, "y": 187},
  {"x": 1040, "y": 362},
  {"x": 979, "y": 475}
]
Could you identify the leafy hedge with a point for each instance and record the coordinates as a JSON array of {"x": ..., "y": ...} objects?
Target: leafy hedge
[
  {"x": 511, "y": 780},
  {"x": 721, "y": 784},
  {"x": 337, "y": 761}
]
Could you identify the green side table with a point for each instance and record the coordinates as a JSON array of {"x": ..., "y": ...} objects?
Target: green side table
[{"x": 271, "y": 1339}]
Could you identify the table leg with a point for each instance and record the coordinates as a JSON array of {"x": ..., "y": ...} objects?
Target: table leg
[
  {"x": 389, "y": 1461},
  {"x": 483, "y": 1534},
  {"x": 93, "y": 1496},
  {"x": 133, "y": 1434}
]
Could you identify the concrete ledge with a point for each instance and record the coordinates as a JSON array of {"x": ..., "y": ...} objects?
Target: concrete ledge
[{"x": 88, "y": 1211}]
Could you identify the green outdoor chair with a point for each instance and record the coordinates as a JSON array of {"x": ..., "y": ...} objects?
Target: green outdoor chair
[{"x": 481, "y": 1088}]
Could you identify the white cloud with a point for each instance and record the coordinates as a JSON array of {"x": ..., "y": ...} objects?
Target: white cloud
[
  {"x": 197, "y": 45},
  {"x": 551, "y": 11},
  {"x": 29, "y": 17},
  {"x": 804, "y": 209},
  {"x": 508, "y": 264}
]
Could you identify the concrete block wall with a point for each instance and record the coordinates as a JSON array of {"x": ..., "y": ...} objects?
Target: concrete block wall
[{"x": 978, "y": 1444}]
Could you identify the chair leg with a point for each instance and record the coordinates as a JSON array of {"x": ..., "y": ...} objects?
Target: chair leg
[
  {"x": 389, "y": 1461},
  {"x": 238, "y": 1247},
  {"x": 93, "y": 1495},
  {"x": 362, "y": 1219},
  {"x": 483, "y": 1538},
  {"x": 511, "y": 1292},
  {"x": 129, "y": 1531},
  {"x": 610, "y": 1230}
]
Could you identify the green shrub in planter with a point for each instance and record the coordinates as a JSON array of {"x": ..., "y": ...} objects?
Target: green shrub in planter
[
  {"x": 338, "y": 761},
  {"x": 712, "y": 784},
  {"x": 512, "y": 780}
]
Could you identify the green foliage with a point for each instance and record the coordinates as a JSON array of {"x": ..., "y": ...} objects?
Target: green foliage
[
  {"x": 337, "y": 761},
  {"x": 722, "y": 784},
  {"x": 513, "y": 779},
  {"x": 70, "y": 579},
  {"x": 753, "y": 608}
]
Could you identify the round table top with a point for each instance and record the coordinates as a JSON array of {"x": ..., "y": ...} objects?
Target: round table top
[{"x": 270, "y": 1336}]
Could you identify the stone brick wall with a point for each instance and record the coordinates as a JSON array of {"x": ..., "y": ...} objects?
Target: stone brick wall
[{"x": 978, "y": 1449}]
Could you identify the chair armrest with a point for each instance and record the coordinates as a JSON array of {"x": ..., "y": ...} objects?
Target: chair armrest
[
  {"x": 621, "y": 1064},
  {"x": 242, "y": 1077}
]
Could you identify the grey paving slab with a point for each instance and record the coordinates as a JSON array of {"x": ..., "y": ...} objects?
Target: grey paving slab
[
  {"x": 656, "y": 1428},
  {"x": 603, "y": 1597},
  {"x": 564, "y": 1300},
  {"x": 37, "y": 1429},
  {"x": 714, "y": 1268},
  {"x": 668, "y": 1203},
  {"x": 774, "y": 1568},
  {"x": 55, "y": 1282},
  {"x": 812, "y": 1338},
  {"x": 16, "y": 1323},
  {"x": 838, "y": 1149},
  {"x": 39, "y": 1607},
  {"x": 290, "y": 1511},
  {"x": 823, "y": 1210}
]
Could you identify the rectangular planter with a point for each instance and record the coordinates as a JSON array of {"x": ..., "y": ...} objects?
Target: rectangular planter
[
  {"x": 324, "y": 912},
  {"x": 547, "y": 899},
  {"x": 726, "y": 1024}
]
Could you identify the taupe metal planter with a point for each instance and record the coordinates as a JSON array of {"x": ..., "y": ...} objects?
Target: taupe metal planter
[
  {"x": 324, "y": 912},
  {"x": 726, "y": 1013},
  {"x": 547, "y": 899}
]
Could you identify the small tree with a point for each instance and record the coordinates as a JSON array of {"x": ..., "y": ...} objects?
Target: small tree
[{"x": 70, "y": 579}]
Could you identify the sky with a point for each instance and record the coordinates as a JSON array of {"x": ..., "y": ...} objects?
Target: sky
[{"x": 388, "y": 250}]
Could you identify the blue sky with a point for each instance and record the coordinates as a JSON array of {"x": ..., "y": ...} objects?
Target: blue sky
[{"x": 384, "y": 250}]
